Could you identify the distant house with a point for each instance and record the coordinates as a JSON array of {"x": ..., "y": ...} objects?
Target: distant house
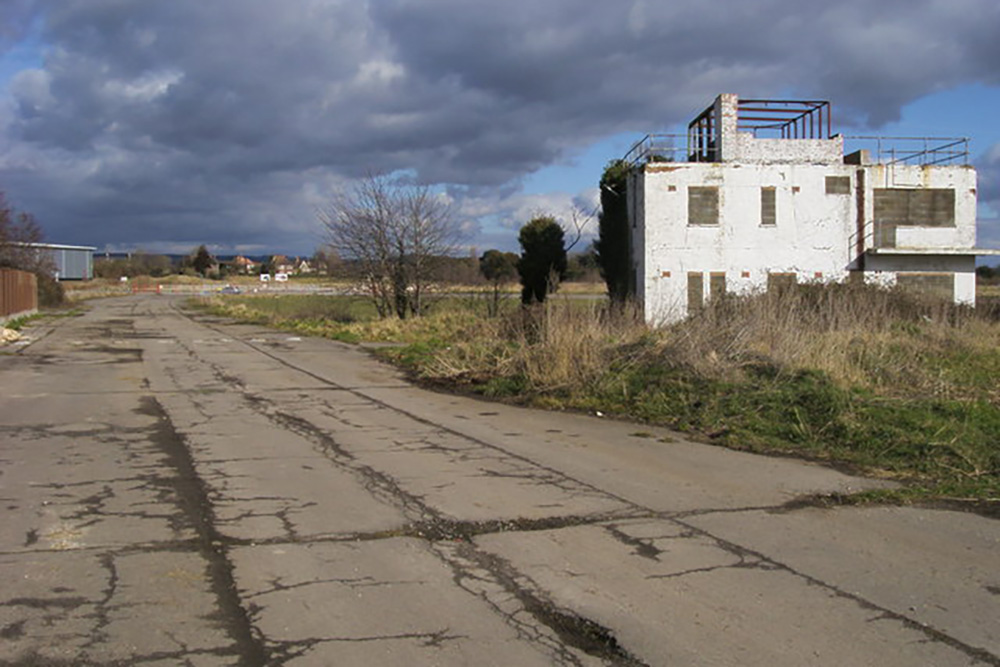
[
  {"x": 244, "y": 265},
  {"x": 303, "y": 266},
  {"x": 763, "y": 194},
  {"x": 281, "y": 264}
]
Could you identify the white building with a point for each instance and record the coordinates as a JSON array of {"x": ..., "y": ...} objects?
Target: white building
[
  {"x": 763, "y": 193},
  {"x": 68, "y": 262}
]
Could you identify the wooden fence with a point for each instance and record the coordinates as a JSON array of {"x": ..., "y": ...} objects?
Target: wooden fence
[{"x": 18, "y": 293}]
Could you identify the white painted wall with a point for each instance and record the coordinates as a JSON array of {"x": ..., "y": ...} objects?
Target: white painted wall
[
  {"x": 783, "y": 151},
  {"x": 810, "y": 237},
  {"x": 813, "y": 238}
]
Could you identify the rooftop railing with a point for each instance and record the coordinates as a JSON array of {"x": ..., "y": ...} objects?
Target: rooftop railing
[
  {"x": 922, "y": 151},
  {"x": 658, "y": 148}
]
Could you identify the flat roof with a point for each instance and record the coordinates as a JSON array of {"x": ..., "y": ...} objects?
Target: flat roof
[{"x": 56, "y": 246}]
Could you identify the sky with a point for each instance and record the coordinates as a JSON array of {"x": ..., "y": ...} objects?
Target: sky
[{"x": 160, "y": 125}]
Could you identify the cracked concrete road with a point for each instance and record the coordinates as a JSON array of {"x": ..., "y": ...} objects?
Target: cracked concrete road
[{"x": 185, "y": 491}]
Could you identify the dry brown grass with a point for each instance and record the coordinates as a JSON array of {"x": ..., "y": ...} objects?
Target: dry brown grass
[
  {"x": 889, "y": 341},
  {"x": 555, "y": 346}
]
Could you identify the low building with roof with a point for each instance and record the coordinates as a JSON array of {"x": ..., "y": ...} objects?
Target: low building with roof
[{"x": 69, "y": 262}]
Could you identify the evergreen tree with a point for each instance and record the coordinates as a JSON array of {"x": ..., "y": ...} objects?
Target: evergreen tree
[
  {"x": 543, "y": 258},
  {"x": 612, "y": 245},
  {"x": 202, "y": 261}
]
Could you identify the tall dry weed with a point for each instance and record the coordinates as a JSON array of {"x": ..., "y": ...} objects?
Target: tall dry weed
[
  {"x": 557, "y": 346},
  {"x": 860, "y": 335}
]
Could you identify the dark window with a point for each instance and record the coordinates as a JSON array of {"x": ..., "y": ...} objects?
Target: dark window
[
  {"x": 703, "y": 205},
  {"x": 768, "y": 209},
  {"x": 923, "y": 207},
  {"x": 936, "y": 284},
  {"x": 780, "y": 281},
  {"x": 696, "y": 292},
  {"x": 838, "y": 185},
  {"x": 717, "y": 285}
]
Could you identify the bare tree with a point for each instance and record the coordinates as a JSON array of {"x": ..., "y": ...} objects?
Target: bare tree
[
  {"x": 579, "y": 218},
  {"x": 394, "y": 234},
  {"x": 20, "y": 236},
  {"x": 433, "y": 232},
  {"x": 19, "y": 232}
]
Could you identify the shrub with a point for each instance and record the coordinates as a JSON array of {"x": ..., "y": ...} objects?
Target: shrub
[{"x": 50, "y": 291}]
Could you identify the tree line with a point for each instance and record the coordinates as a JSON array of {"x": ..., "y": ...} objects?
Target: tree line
[
  {"x": 397, "y": 234},
  {"x": 397, "y": 238}
]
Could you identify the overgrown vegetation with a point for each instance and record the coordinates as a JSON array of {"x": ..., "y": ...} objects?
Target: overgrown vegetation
[
  {"x": 19, "y": 232},
  {"x": 353, "y": 319},
  {"x": 884, "y": 381},
  {"x": 612, "y": 245},
  {"x": 17, "y": 323}
]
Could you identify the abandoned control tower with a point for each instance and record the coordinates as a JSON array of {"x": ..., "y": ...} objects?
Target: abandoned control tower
[{"x": 762, "y": 193}]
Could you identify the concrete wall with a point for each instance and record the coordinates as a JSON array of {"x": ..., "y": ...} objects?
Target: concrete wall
[
  {"x": 815, "y": 235},
  {"x": 809, "y": 237},
  {"x": 961, "y": 179},
  {"x": 886, "y": 270},
  {"x": 778, "y": 151}
]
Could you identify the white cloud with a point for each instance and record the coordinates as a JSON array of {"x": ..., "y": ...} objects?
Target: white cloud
[
  {"x": 145, "y": 88},
  {"x": 32, "y": 89}
]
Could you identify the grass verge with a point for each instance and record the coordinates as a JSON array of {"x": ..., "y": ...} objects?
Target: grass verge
[
  {"x": 17, "y": 323},
  {"x": 885, "y": 383}
]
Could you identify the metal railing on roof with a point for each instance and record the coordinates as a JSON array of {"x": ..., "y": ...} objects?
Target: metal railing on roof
[
  {"x": 658, "y": 148},
  {"x": 785, "y": 119},
  {"x": 780, "y": 119},
  {"x": 924, "y": 151}
]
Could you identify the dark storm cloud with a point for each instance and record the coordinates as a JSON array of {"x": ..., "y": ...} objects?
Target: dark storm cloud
[{"x": 227, "y": 121}]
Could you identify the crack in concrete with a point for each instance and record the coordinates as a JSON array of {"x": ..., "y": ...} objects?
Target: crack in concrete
[
  {"x": 352, "y": 582},
  {"x": 643, "y": 548},
  {"x": 193, "y": 498},
  {"x": 432, "y": 526},
  {"x": 47, "y": 603},
  {"x": 743, "y": 564},
  {"x": 101, "y": 612},
  {"x": 572, "y": 630},
  {"x": 762, "y": 560},
  {"x": 283, "y": 652},
  {"x": 182, "y": 658},
  {"x": 481, "y": 573}
]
